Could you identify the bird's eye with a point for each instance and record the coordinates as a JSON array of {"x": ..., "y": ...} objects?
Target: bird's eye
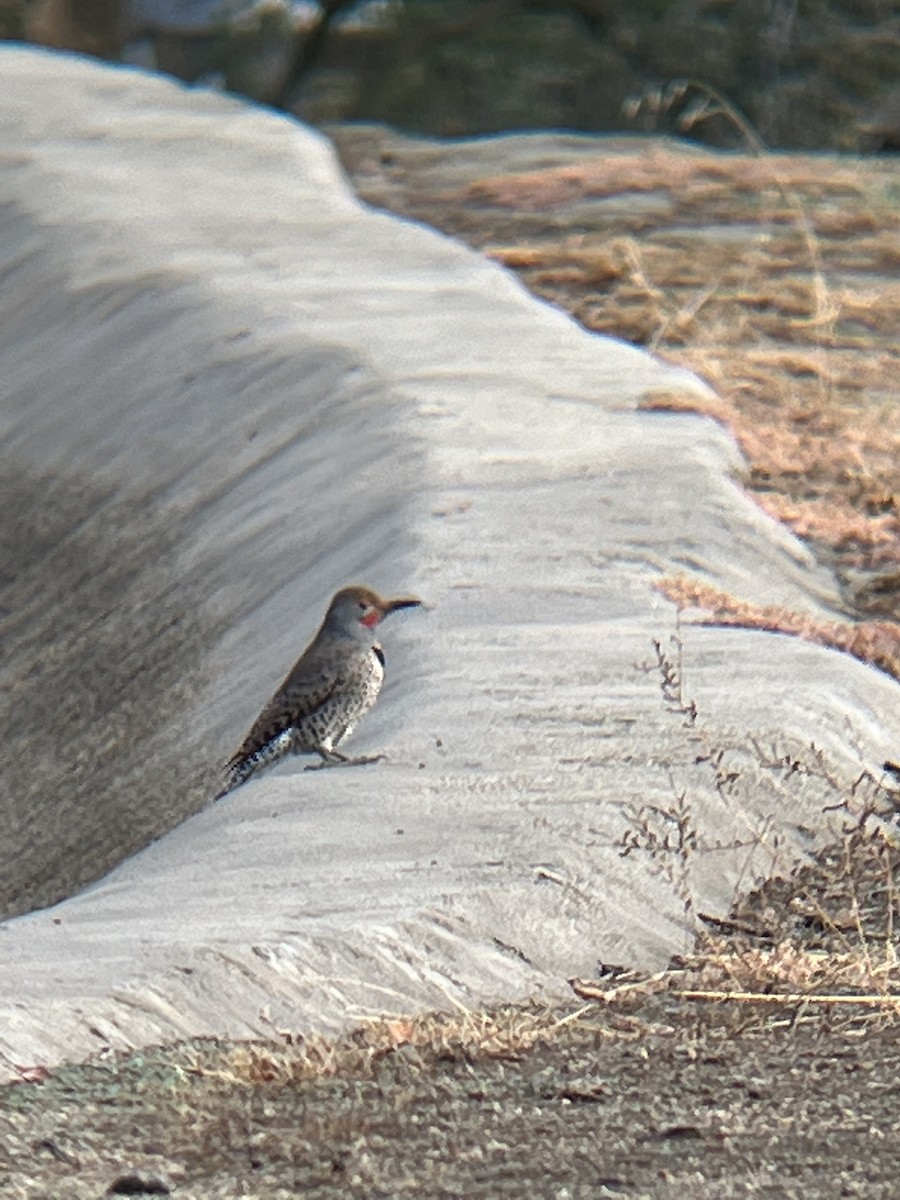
[{"x": 363, "y": 607}]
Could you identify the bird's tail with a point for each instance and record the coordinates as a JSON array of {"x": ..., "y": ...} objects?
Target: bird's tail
[{"x": 242, "y": 766}]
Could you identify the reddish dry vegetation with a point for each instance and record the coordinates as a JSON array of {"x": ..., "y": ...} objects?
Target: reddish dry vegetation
[
  {"x": 873, "y": 642},
  {"x": 773, "y": 277}
]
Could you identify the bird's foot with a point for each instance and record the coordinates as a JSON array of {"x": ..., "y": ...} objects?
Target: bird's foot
[{"x": 361, "y": 761}]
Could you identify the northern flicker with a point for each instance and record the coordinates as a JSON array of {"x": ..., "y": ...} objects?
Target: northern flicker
[{"x": 334, "y": 682}]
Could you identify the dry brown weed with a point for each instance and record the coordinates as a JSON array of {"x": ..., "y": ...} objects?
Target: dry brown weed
[{"x": 504, "y": 1033}]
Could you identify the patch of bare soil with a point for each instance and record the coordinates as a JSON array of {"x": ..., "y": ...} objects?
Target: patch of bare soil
[{"x": 767, "y": 1062}]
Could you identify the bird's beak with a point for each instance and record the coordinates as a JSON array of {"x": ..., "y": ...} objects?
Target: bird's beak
[{"x": 401, "y": 602}]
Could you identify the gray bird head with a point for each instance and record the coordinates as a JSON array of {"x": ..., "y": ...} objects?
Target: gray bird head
[{"x": 357, "y": 611}]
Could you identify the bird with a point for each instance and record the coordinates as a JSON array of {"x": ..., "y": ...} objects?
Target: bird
[{"x": 333, "y": 683}]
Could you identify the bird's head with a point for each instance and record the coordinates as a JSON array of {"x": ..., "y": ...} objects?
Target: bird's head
[{"x": 358, "y": 610}]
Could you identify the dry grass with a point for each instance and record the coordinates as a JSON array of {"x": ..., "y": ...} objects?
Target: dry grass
[
  {"x": 825, "y": 935},
  {"x": 692, "y": 176},
  {"x": 503, "y": 1033},
  {"x": 823, "y": 938}
]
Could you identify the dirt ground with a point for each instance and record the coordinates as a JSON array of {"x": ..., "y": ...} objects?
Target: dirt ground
[
  {"x": 767, "y": 1064},
  {"x": 668, "y": 1103}
]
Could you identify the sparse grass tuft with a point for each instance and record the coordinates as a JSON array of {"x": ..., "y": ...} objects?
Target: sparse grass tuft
[{"x": 503, "y": 1033}]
